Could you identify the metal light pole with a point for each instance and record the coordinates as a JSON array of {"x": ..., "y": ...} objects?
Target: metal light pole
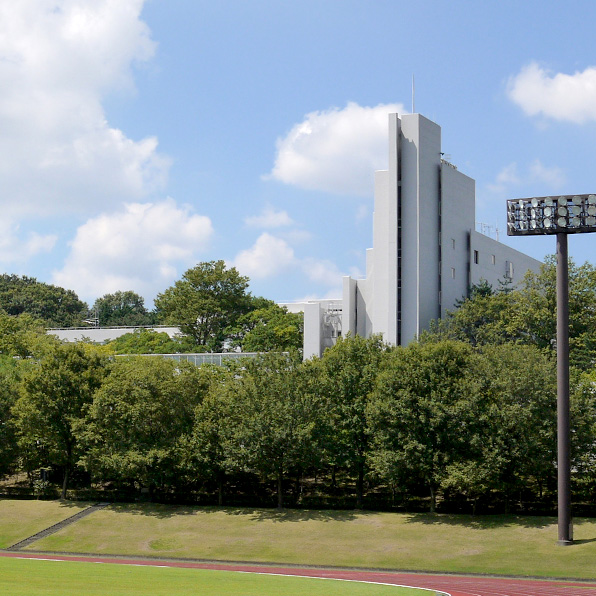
[
  {"x": 563, "y": 457},
  {"x": 560, "y": 215}
]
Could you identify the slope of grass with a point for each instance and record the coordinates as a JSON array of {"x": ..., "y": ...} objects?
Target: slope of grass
[
  {"x": 22, "y": 577},
  {"x": 507, "y": 545},
  {"x": 21, "y": 519}
]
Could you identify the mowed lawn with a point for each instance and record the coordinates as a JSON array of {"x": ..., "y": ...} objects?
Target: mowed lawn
[
  {"x": 21, "y": 519},
  {"x": 507, "y": 545},
  {"x": 21, "y": 577}
]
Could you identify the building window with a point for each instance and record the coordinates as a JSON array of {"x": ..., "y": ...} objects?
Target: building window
[
  {"x": 493, "y": 259},
  {"x": 475, "y": 257},
  {"x": 453, "y": 272},
  {"x": 453, "y": 243},
  {"x": 509, "y": 269}
]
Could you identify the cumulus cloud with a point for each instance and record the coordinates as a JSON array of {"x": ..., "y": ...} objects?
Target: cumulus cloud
[
  {"x": 269, "y": 218},
  {"x": 336, "y": 150},
  {"x": 267, "y": 257},
  {"x": 559, "y": 96},
  {"x": 270, "y": 255},
  {"x": 58, "y": 60},
  {"x": 322, "y": 271},
  {"x": 552, "y": 177},
  {"x": 15, "y": 249},
  {"x": 144, "y": 248}
]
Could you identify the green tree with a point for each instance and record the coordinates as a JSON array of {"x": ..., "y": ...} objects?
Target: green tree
[
  {"x": 53, "y": 305},
  {"x": 418, "y": 414},
  {"x": 23, "y": 336},
  {"x": 136, "y": 427},
  {"x": 516, "y": 416},
  {"x": 150, "y": 341},
  {"x": 206, "y": 303},
  {"x": 207, "y": 447},
  {"x": 527, "y": 314},
  {"x": 275, "y": 418},
  {"x": 123, "y": 309},
  {"x": 271, "y": 329},
  {"x": 348, "y": 376},
  {"x": 55, "y": 394},
  {"x": 583, "y": 434},
  {"x": 9, "y": 380}
]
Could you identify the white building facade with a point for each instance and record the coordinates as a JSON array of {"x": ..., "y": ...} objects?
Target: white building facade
[{"x": 426, "y": 252}]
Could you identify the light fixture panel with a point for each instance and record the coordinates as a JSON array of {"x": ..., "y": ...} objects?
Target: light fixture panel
[{"x": 569, "y": 214}]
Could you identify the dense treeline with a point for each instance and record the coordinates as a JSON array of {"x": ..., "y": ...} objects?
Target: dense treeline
[
  {"x": 438, "y": 420},
  {"x": 210, "y": 304},
  {"x": 464, "y": 418}
]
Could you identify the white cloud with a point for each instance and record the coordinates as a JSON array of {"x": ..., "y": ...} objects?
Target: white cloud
[
  {"x": 332, "y": 294},
  {"x": 552, "y": 177},
  {"x": 271, "y": 255},
  {"x": 15, "y": 249},
  {"x": 269, "y": 218},
  {"x": 559, "y": 96},
  {"x": 322, "y": 271},
  {"x": 58, "y": 60},
  {"x": 142, "y": 248},
  {"x": 508, "y": 175},
  {"x": 267, "y": 257},
  {"x": 362, "y": 212},
  {"x": 336, "y": 150}
]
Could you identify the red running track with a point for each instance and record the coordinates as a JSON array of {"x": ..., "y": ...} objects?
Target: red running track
[{"x": 455, "y": 585}]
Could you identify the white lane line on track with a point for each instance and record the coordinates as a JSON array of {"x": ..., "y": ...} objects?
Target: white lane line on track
[{"x": 360, "y": 581}]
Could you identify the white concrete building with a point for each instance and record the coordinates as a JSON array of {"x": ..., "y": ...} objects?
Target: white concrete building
[{"x": 426, "y": 253}]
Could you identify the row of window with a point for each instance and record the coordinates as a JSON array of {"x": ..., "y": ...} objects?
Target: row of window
[{"x": 508, "y": 265}]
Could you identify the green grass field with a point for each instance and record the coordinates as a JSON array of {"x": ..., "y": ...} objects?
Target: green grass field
[
  {"x": 20, "y": 519},
  {"x": 22, "y": 577},
  {"x": 505, "y": 545}
]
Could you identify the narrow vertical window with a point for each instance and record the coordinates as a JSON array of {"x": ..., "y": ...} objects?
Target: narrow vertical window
[
  {"x": 475, "y": 257},
  {"x": 453, "y": 272},
  {"x": 493, "y": 259}
]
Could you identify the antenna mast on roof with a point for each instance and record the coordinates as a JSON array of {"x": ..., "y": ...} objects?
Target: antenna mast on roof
[{"x": 413, "y": 95}]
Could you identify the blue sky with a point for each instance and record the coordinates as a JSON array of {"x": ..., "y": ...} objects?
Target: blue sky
[{"x": 141, "y": 137}]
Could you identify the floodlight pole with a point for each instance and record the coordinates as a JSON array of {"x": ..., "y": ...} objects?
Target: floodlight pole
[{"x": 563, "y": 455}]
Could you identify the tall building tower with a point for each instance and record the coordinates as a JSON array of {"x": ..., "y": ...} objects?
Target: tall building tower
[{"x": 426, "y": 252}]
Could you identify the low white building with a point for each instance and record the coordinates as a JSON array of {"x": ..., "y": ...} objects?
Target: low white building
[
  {"x": 102, "y": 335},
  {"x": 426, "y": 252}
]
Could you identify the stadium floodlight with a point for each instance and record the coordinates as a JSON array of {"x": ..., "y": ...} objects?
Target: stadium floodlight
[
  {"x": 560, "y": 216},
  {"x": 568, "y": 214}
]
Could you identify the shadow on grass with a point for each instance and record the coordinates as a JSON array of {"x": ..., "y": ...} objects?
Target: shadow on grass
[
  {"x": 584, "y": 541},
  {"x": 253, "y": 514},
  {"x": 292, "y": 515},
  {"x": 481, "y": 522}
]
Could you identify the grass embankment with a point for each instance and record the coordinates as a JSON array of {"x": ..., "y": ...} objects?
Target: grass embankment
[
  {"x": 20, "y": 577},
  {"x": 508, "y": 545},
  {"x": 21, "y": 519}
]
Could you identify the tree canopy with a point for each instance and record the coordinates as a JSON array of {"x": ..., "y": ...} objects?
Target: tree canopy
[
  {"x": 151, "y": 341},
  {"x": 122, "y": 309},
  {"x": 53, "y": 305},
  {"x": 527, "y": 314},
  {"x": 139, "y": 419},
  {"x": 206, "y": 303},
  {"x": 270, "y": 328},
  {"x": 55, "y": 394}
]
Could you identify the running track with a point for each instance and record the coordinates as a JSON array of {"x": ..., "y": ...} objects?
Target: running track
[{"x": 451, "y": 584}]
